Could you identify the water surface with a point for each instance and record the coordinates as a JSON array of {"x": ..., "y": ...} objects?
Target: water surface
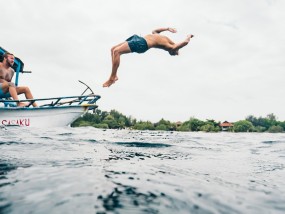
[{"x": 88, "y": 170}]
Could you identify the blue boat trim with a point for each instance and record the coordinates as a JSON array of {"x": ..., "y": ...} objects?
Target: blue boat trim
[
  {"x": 47, "y": 107},
  {"x": 55, "y": 102}
]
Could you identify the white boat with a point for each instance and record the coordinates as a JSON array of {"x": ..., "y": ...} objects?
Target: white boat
[{"x": 52, "y": 112}]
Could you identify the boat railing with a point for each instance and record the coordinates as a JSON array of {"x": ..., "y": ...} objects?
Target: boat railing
[{"x": 82, "y": 100}]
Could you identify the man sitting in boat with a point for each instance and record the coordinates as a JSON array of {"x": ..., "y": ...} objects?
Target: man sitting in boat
[{"x": 7, "y": 88}]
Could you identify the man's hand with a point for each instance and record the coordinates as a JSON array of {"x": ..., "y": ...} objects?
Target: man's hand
[
  {"x": 172, "y": 30},
  {"x": 11, "y": 84}
]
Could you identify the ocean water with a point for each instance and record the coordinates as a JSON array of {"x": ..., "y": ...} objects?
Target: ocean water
[{"x": 88, "y": 170}]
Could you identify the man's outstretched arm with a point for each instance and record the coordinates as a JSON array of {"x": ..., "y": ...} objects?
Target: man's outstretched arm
[{"x": 159, "y": 30}]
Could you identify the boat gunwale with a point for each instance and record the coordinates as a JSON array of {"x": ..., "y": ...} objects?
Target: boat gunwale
[
  {"x": 50, "y": 98},
  {"x": 45, "y": 107},
  {"x": 86, "y": 101}
]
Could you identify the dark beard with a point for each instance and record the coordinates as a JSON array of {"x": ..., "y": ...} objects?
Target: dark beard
[{"x": 9, "y": 64}]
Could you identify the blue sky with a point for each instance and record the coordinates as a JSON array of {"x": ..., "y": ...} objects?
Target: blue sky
[{"x": 232, "y": 68}]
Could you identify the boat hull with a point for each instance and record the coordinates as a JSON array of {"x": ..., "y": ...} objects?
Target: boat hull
[{"x": 41, "y": 117}]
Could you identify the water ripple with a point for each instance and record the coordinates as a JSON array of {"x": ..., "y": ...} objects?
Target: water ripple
[
  {"x": 88, "y": 170},
  {"x": 143, "y": 144}
]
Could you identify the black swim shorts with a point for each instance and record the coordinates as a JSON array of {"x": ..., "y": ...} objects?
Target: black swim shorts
[{"x": 137, "y": 44}]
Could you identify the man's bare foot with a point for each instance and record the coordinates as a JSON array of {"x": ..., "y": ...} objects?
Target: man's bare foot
[{"x": 109, "y": 83}]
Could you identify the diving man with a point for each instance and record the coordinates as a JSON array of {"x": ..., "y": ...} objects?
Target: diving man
[{"x": 140, "y": 45}]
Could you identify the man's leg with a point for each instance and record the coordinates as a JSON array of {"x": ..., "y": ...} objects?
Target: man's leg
[
  {"x": 117, "y": 51},
  {"x": 113, "y": 48},
  {"x": 14, "y": 95},
  {"x": 112, "y": 55},
  {"x": 4, "y": 87},
  {"x": 25, "y": 90}
]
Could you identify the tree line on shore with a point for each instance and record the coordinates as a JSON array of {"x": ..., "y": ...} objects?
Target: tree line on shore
[{"x": 116, "y": 120}]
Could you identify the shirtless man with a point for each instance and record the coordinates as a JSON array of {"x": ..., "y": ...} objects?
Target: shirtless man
[
  {"x": 142, "y": 44},
  {"x": 7, "y": 88}
]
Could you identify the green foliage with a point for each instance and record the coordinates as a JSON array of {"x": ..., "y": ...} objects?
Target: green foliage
[
  {"x": 116, "y": 120},
  {"x": 195, "y": 124},
  {"x": 101, "y": 126},
  {"x": 282, "y": 124},
  {"x": 192, "y": 124},
  {"x": 259, "y": 129},
  {"x": 209, "y": 128},
  {"x": 266, "y": 122},
  {"x": 184, "y": 128},
  {"x": 243, "y": 126},
  {"x": 275, "y": 129},
  {"x": 165, "y": 125},
  {"x": 82, "y": 123},
  {"x": 161, "y": 127},
  {"x": 111, "y": 122},
  {"x": 144, "y": 126}
]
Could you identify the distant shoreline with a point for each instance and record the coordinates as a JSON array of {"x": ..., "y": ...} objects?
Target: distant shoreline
[{"x": 116, "y": 120}]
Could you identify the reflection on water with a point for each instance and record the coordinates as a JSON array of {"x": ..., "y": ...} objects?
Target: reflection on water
[{"x": 87, "y": 170}]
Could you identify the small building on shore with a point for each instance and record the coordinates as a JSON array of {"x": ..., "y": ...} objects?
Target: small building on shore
[
  {"x": 178, "y": 124},
  {"x": 226, "y": 125}
]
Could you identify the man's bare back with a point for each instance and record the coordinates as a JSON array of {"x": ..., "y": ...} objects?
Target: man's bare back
[{"x": 163, "y": 42}]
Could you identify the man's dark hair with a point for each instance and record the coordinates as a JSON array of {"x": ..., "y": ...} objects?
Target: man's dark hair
[{"x": 7, "y": 54}]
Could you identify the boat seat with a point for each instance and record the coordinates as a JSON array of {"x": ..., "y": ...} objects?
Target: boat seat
[{"x": 8, "y": 104}]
